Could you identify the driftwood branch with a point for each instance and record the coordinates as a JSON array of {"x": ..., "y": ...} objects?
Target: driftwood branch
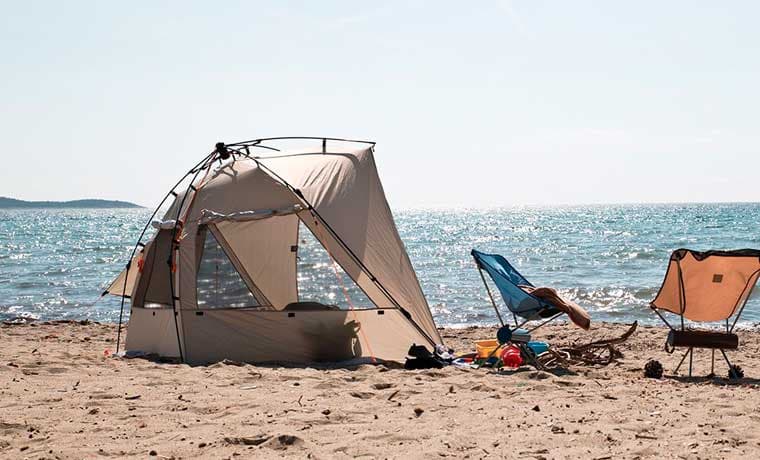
[{"x": 599, "y": 352}]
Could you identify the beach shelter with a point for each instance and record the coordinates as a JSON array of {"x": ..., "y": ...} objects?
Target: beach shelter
[{"x": 219, "y": 279}]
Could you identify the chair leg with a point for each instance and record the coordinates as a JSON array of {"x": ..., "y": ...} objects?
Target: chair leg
[
  {"x": 726, "y": 358},
  {"x": 712, "y": 366},
  {"x": 734, "y": 372},
  {"x": 682, "y": 360},
  {"x": 691, "y": 359},
  {"x": 532, "y": 357}
]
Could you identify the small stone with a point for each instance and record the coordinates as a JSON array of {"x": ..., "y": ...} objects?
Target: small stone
[
  {"x": 288, "y": 440},
  {"x": 536, "y": 408},
  {"x": 418, "y": 411},
  {"x": 326, "y": 412},
  {"x": 152, "y": 453},
  {"x": 202, "y": 445}
]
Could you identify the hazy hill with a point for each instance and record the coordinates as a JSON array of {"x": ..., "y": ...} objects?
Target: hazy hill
[{"x": 6, "y": 203}]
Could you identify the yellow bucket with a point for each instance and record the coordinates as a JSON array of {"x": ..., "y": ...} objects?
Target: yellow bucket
[{"x": 485, "y": 348}]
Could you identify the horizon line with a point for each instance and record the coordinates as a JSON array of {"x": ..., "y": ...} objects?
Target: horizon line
[{"x": 460, "y": 206}]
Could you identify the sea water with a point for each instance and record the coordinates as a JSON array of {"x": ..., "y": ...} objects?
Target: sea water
[{"x": 608, "y": 258}]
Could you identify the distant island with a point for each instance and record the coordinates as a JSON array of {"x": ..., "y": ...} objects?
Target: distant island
[{"x": 12, "y": 203}]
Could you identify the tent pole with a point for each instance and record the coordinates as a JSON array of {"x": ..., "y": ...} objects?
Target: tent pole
[
  {"x": 488, "y": 289},
  {"x": 313, "y": 138},
  {"x": 175, "y": 247},
  {"x": 138, "y": 244},
  {"x": 123, "y": 294}
]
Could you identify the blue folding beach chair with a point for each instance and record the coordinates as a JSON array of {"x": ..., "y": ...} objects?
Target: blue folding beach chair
[{"x": 508, "y": 280}]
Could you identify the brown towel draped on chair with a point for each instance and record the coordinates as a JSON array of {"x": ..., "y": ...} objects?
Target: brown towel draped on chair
[{"x": 575, "y": 312}]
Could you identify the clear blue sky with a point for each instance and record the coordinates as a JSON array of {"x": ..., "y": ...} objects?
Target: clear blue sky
[{"x": 471, "y": 103}]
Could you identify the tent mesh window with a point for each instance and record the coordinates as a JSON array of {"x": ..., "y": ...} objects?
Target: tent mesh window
[
  {"x": 318, "y": 280},
  {"x": 219, "y": 283}
]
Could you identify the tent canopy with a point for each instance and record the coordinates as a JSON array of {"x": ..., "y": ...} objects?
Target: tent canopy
[
  {"x": 708, "y": 286},
  {"x": 241, "y": 221}
]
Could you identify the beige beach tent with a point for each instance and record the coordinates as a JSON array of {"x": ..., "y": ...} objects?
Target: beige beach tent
[{"x": 237, "y": 226}]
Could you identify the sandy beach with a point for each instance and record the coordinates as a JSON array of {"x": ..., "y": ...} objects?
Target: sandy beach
[{"x": 60, "y": 397}]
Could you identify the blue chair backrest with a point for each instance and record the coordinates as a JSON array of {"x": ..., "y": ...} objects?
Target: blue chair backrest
[{"x": 507, "y": 280}]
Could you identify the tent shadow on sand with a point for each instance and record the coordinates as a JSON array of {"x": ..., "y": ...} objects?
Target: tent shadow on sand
[
  {"x": 349, "y": 365},
  {"x": 219, "y": 277}
]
